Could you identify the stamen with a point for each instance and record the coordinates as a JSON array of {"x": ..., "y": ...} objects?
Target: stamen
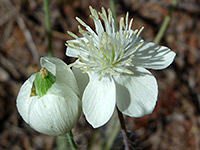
[
  {"x": 121, "y": 24},
  {"x": 44, "y": 73},
  {"x": 140, "y": 31},
  {"x": 81, "y": 22},
  {"x": 81, "y": 30},
  {"x": 109, "y": 16},
  {"x": 94, "y": 13},
  {"x": 106, "y": 51},
  {"x": 104, "y": 13},
  {"x": 127, "y": 14},
  {"x": 130, "y": 24},
  {"x": 72, "y": 35}
]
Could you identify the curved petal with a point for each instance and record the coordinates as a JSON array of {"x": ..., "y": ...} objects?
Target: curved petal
[
  {"x": 23, "y": 99},
  {"x": 82, "y": 79},
  {"x": 72, "y": 52},
  {"x": 99, "y": 100},
  {"x": 55, "y": 114},
  {"x": 153, "y": 56},
  {"x": 62, "y": 72},
  {"x": 137, "y": 93}
]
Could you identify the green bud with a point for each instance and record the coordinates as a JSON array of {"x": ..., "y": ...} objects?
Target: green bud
[
  {"x": 48, "y": 106},
  {"x": 43, "y": 81}
]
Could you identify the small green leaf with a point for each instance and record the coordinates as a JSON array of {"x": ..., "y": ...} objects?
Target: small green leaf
[{"x": 43, "y": 81}]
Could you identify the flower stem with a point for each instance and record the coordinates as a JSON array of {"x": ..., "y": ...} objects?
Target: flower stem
[
  {"x": 113, "y": 8},
  {"x": 124, "y": 131},
  {"x": 66, "y": 142},
  {"x": 165, "y": 23},
  {"x": 71, "y": 142},
  {"x": 120, "y": 115},
  {"x": 112, "y": 130},
  {"x": 48, "y": 26}
]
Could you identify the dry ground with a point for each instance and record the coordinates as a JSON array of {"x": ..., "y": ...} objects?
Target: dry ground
[{"x": 175, "y": 123}]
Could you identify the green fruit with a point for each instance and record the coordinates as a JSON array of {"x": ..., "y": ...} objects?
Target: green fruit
[{"x": 43, "y": 81}]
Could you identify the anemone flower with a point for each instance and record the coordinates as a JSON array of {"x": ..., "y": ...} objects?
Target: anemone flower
[{"x": 116, "y": 63}]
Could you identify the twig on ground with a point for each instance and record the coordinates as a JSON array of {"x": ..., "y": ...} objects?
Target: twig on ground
[
  {"x": 186, "y": 6},
  {"x": 26, "y": 32},
  {"x": 28, "y": 38},
  {"x": 9, "y": 66},
  {"x": 8, "y": 30},
  {"x": 55, "y": 34},
  {"x": 7, "y": 12}
]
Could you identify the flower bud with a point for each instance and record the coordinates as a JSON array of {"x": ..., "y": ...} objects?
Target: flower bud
[{"x": 49, "y": 100}]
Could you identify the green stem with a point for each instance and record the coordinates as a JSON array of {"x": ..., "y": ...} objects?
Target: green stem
[
  {"x": 71, "y": 142},
  {"x": 114, "y": 11},
  {"x": 123, "y": 130},
  {"x": 48, "y": 26},
  {"x": 66, "y": 142},
  {"x": 165, "y": 23},
  {"x": 112, "y": 131},
  {"x": 120, "y": 116}
]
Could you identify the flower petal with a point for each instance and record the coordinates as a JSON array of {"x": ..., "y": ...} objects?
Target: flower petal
[
  {"x": 82, "y": 79},
  {"x": 99, "y": 100},
  {"x": 153, "y": 56},
  {"x": 23, "y": 99},
  {"x": 56, "y": 112},
  {"x": 137, "y": 93},
  {"x": 72, "y": 52},
  {"x": 62, "y": 72}
]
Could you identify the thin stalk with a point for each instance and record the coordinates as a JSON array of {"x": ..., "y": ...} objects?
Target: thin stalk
[
  {"x": 124, "y": 131},
  {"x": 48, "y": 27},
  {"x": 72, "y": 143},
  {"x": 66, "y": 142},
  {"x": 112, "y": 130},
  {"x": 120, "y": 116},
  {"x": 61, "y": 143},
  {"x": 114, "y": 11},
  {"x": 165, "y": 23}
]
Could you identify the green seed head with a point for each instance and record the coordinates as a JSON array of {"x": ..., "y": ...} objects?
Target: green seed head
[{"x": 43, "y": 81}]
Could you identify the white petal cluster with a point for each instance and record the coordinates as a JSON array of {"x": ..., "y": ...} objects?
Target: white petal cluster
[
  {"x": 105, "y": 52},
  {"x": 115, "y": 62},
  {"x": 56, "y": 112}
]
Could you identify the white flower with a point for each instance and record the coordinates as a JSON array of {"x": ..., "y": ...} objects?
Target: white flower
[
  {"x": 115, "y": 63},
  {"x": 57, "y": 111}
]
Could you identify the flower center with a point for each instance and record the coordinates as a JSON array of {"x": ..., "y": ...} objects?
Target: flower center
[
  {"x": 106, "y": 51},
  {"x": 108, "y": 55}
]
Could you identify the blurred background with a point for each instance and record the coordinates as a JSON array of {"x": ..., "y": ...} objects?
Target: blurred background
[{"x": 175, "y": 122}]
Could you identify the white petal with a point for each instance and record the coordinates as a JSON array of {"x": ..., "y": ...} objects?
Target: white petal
[
  {"x": 99, "y": 100},
  {"x": 72, "y": 52},
  {"x": 54, "y": 114},
  {"x": 23, "y": 98},
  {"x": 137, "y": 93},
  {"x": 63, "y": 73},
  {"x": 153, "y": 56},
  {"x": 82, "y": 79}
]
